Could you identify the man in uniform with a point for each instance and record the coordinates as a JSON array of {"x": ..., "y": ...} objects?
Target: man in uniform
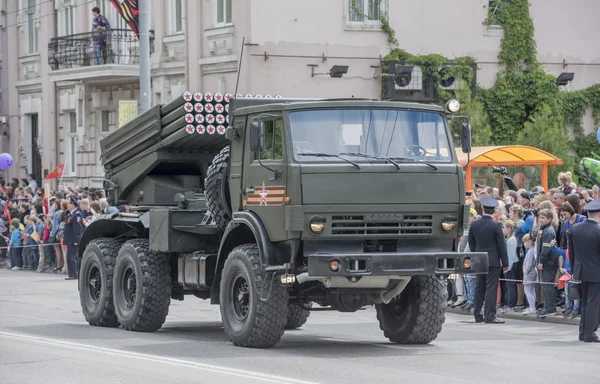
[
  {"x": 485, "y": 235},
  {"x": 73, "y": 229},
  {"x": 584, "y": 253}
]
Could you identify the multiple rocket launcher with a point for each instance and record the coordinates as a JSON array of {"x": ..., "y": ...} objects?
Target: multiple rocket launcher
[{"x": 192, "y": 121}]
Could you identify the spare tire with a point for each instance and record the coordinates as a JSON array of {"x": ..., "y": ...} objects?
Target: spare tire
[{"x": 217, "y": 189}]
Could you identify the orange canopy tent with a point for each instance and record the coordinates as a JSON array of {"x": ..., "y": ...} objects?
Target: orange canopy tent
[{"x": 509, "y": 155}]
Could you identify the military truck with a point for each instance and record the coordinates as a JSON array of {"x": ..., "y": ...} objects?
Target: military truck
[{"x": 298, "y": 205}]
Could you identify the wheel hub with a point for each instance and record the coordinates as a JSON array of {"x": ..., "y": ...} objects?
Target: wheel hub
[
  {"x": 130, "y": 285},
  {"x": 241, "y": 298},
  {"x": 95, "y": 281}
]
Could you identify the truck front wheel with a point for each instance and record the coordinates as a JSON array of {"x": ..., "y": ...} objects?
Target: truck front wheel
[
  {"x": 416, "y": 315},
  {"x": 254, "y": 306},
  {"x": 142, "y": 287}
]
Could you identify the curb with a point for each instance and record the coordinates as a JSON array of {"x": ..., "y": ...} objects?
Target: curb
[{"x": 518, "y": 316}]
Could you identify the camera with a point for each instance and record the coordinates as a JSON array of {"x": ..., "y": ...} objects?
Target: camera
[
  {"x": 533, "y": 211},
  {"x": 469, "y": 193},
  {"x": 500, "y": 170}
]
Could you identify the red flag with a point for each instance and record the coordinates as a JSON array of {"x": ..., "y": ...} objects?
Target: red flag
[
  {"x": 56, "y": 172},
  {"x": 46, "y": 208},
  {"x": 129, "y": 10},
  {"x": 7, "y": 212}
]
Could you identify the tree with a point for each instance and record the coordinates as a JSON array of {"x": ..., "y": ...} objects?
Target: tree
[
  {"x": 545, "y": 131},
  {"x": 481, "y": 131}
]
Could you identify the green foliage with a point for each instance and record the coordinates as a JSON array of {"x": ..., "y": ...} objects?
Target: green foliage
[
  {"x": 518, "y": 48},
  {"x": 525, "y": 106},
  {"x": 481, "y": 132},
  {"x": 585, "y": 146},
  {"x": 574, "y": 105},
  {"x": 514, "y": 98},
  {"x": 545, "y": 130}
]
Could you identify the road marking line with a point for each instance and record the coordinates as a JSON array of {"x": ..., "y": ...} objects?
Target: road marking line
[{"x": 157, "y": 359}]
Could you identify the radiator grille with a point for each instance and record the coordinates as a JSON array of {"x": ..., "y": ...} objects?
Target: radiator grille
[{"x": 356, "y": 225}]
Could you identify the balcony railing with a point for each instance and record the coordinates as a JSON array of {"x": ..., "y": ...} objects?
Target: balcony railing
[{"x": 113, "y": 46}]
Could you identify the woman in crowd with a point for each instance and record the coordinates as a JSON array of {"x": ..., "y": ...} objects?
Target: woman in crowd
[{"x": 508, "y": 228}]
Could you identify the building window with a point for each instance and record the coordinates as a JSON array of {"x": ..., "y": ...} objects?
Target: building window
[
  {"x": 72, "y": 143},
  {"x": 66, "y": 22},
  {"x": 176, "y": 16},
  {"x": 32, "y": 45},
  {"x": 223, "y": 12},
  {"x": 493, "y": 12},
  {"x": 366, "y": 12},
  {"x": 105, "y": 122}
]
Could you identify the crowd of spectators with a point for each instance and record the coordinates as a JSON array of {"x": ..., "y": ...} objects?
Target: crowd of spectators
[
  {"x": 536, "y": 278},
  {"x": 32, "y": 223}
]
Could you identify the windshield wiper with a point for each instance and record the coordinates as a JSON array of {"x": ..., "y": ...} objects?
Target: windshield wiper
[
  {"x": 329, "y": 155},
  {"x": 415, "y": 161},
  {"x": 372, "y": 157}
]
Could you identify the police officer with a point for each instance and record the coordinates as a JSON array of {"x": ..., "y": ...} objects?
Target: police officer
[
  {"x": 485, "y": 235},
  {"x": 73, "y": 230},
  {"x": 584, "y": 253}
]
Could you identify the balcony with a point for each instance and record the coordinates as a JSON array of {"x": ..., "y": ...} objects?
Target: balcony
[{"x": 82, "y": 56}]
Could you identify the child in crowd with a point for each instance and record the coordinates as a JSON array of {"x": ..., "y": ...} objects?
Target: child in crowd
[
  {"x": 16, "y": 259},
  {"x": 529, "y": 275},
  {"x": 38, "y": 237},
  {"x": 27, "y": 254}
]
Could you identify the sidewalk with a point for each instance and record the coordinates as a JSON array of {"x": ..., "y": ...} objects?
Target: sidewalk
[{"x": 518, "y": 316}]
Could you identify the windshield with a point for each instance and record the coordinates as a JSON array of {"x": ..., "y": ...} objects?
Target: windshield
[{"x": 365, "y": 135}]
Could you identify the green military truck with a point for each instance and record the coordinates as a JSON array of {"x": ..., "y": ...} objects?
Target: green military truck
[{"x": 297, "y": 205}]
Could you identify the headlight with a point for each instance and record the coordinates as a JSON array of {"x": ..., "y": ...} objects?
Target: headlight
[
  {"x": 317, "y": 225},
  {"x": 453, "y": 105},
  {"x": 448, "y": 224}
]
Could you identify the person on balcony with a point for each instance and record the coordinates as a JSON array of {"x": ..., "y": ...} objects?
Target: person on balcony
[{"x": 100, "y": 25}]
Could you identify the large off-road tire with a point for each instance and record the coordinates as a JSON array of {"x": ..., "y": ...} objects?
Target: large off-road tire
[
  {"x": 96, "y": 282},
  {"x": 254, "y": 306},
  {"x": 216, "y": 185},
  {"x": 141, "y": 287},
  {"x": 416, "y": 315},
  {"x": 297, "y": 316}
]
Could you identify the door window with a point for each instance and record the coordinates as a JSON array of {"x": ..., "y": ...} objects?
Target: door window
[{"x": 273, "y": 147}]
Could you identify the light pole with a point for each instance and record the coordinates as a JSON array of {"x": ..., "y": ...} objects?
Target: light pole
[{"x": 145, "y": 92}]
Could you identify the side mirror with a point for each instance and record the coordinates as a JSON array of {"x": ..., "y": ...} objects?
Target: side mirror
[
  {"x": 465, "y": 137},
  {"x": 257, "y": 137}
]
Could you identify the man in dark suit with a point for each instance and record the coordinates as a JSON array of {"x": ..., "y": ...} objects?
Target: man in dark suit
[
  {"x": 485, "y": 235},
  {"x": 73, "y": 231},
  {"x": 584, "y": 254}
]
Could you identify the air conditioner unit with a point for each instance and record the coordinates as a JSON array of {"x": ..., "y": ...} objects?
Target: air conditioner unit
[
  {"x": 408, "y": 78},
  {"x": 447, "y": 82}
]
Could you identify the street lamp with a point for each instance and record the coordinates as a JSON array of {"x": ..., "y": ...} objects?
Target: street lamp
[{"x": 564, "y": 78}]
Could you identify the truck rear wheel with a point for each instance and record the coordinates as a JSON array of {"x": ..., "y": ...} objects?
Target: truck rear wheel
[
  {"x": 297, "y": 316},
  {"x": 416, "y": 315},
  {"x": 217, "y": 189},
  {"x": 254, "y": 306},
  {"x": 96, "y": 282},
  {"x": 142, "y": 287}
]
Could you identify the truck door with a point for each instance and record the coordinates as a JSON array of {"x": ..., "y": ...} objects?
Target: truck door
[{"x": 264, "y": 185}]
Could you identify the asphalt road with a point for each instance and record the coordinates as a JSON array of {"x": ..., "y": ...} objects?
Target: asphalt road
[{"x": 45, "y": 339}]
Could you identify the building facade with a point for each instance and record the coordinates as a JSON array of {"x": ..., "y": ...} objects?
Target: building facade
[{"x": 60, "y": 95}]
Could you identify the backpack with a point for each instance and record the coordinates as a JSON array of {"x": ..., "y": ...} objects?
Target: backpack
[{"x": 60, "y": 234}]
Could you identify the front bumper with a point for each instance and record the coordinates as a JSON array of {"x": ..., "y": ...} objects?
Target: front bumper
[{"x": 397, "y": 264}]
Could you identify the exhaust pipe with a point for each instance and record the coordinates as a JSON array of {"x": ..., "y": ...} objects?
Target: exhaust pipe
[{"x": 386, "y": 297}]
